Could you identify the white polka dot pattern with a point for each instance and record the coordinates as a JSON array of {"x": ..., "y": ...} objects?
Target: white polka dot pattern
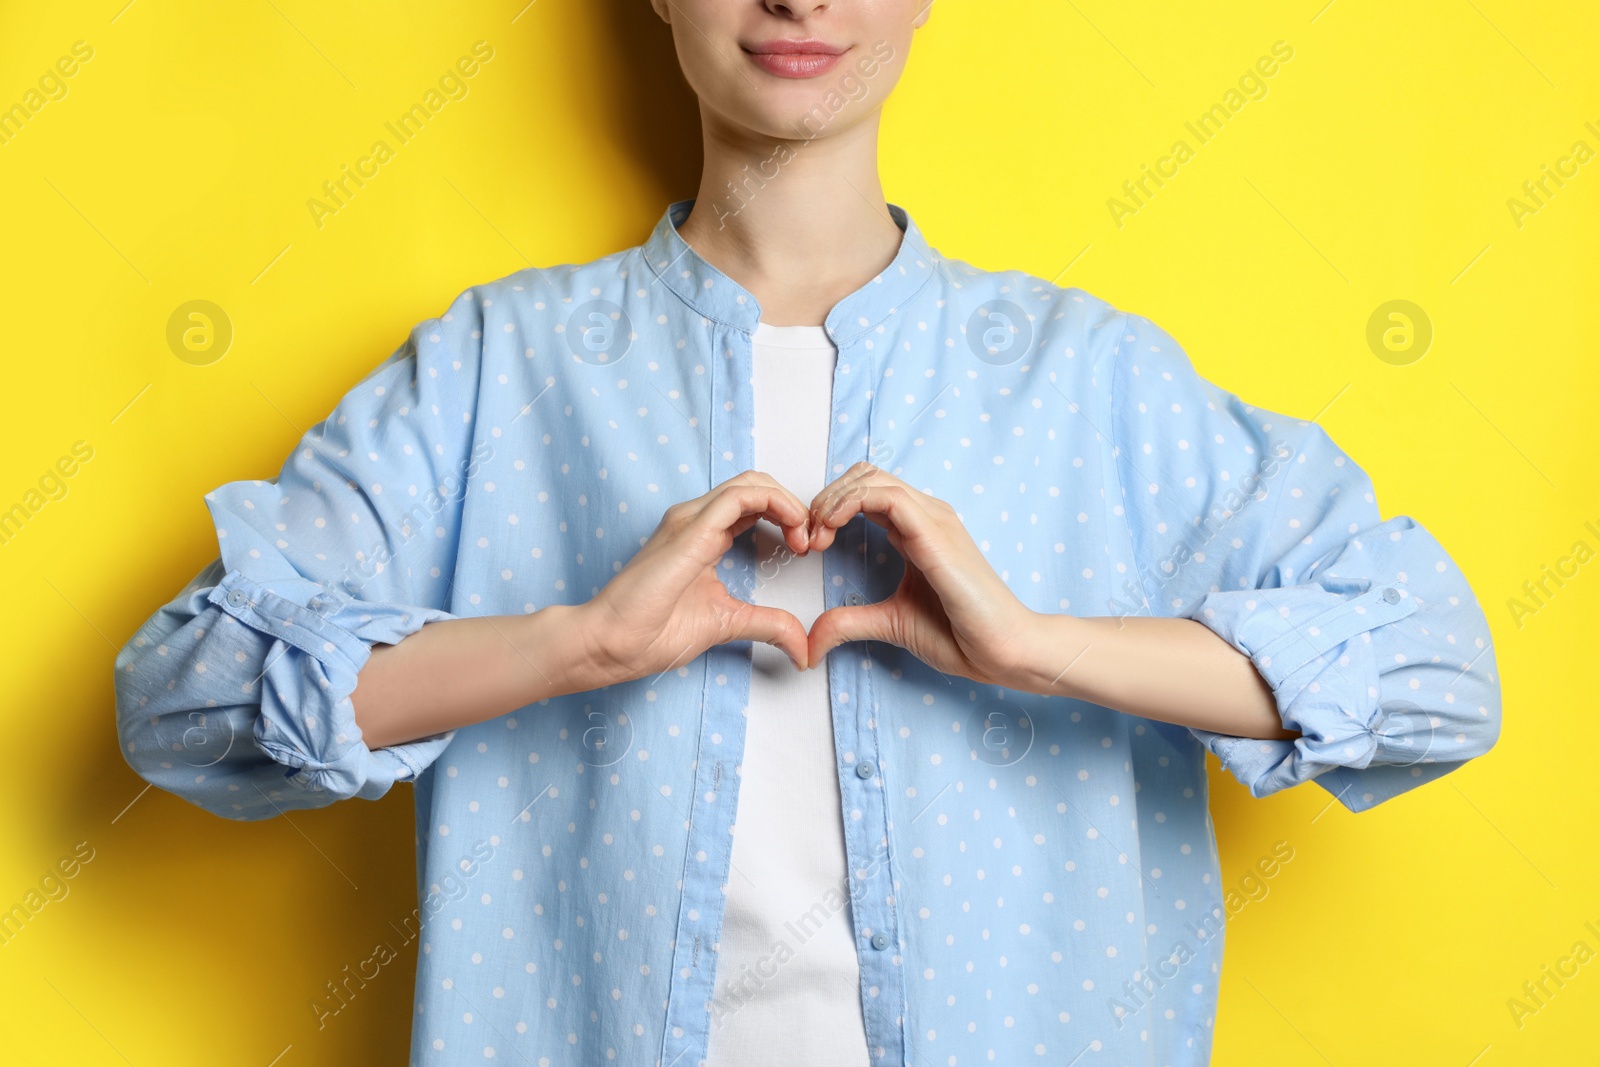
[{"x": 1033, "y": 878}]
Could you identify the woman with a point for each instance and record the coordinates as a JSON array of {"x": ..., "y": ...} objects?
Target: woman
[{"x": 1045, "y": 565}]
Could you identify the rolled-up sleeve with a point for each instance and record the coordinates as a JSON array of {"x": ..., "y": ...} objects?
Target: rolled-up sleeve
[
  {"x": 1258, "y": 526},
  {"x": 236, "y": 694}
]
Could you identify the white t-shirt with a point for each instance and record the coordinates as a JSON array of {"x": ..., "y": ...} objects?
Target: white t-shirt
[{"x": 788, "y": 984}]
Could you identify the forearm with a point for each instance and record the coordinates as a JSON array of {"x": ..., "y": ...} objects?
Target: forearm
[
  {"x": 1172, "y": 670},
  {"x": 456, "y": 672}
]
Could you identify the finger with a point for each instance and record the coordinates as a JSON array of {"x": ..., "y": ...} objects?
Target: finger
[
  {"x": 892, "y": 506},
  {"x": 842, "y": 490},
  {"x": 744, "y": 523},
  {"x": 737, "y": 507},
  {"x": 791, "y": 537},
  {"x": 784, "y": 509},
  {"x": 850, "y": 486},
  {"x": 774, "y": 626},
  {"x": 869, "y": 622},
  {"x": 797, "y": 538},
  {"x": 847, "y": 483}
]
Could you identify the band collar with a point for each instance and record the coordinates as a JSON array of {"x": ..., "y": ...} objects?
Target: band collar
[{"x": 718, "y": 297}]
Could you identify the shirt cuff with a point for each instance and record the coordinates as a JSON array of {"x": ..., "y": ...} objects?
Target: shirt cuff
[
  {"x": 307, "y": 722},
  {"x": 1313, "y": 647}
]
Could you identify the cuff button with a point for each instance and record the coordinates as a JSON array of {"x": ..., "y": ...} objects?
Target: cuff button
[
  {"x": 237, "y": 598},
  {"x": 1391, "y": 595}
]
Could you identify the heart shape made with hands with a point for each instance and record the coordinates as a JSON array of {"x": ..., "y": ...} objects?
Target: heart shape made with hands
[{"x": 951, "y": 610}]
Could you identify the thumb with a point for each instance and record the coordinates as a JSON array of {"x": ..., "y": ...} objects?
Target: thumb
[
  {"x": 869, "y": 622},
  {"x": 773, "y": 626}
]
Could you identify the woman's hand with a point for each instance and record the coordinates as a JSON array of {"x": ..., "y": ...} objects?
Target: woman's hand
[
  {"x": 668, "y": 605},
  {"x": 951, "y": 610}
]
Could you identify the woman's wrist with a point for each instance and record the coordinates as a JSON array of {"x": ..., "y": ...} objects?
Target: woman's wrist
[
  {"x": 577, "y": 635},
  {"x": 1042, "y": 653}
]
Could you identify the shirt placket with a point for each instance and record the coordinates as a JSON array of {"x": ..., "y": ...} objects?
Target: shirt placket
[
  {"x": 725, "y": 691},
  {"x": 862, "y": 773}
]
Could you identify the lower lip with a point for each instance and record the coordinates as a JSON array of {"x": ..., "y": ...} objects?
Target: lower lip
[{"x": 795, "y": 65}]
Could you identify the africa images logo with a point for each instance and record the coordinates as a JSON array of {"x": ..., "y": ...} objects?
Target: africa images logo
[{"x": 999, "y": 332}]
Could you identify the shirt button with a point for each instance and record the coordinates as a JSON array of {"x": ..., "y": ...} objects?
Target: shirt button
[
  {"x": 865, "y": 769},
  {"x": 855, "y": 600},
  {"x": 880, "y": 941},
  {"x": 1391, "y": 595},
  {"x": 237, "y": 598}
]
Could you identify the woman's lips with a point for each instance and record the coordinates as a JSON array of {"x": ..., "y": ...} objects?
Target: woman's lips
[{"x": 795, "y": 59}]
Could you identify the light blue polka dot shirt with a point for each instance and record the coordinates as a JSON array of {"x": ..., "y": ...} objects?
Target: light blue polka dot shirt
[{"x": 1032, "y": 878}]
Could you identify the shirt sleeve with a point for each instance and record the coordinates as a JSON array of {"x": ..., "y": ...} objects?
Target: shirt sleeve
[
  {"x": 236, "y": 694},
  {"x": 1259, "y": 527}
]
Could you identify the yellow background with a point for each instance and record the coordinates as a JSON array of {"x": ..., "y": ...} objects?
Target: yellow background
[{"x": 1377, "y": 167}]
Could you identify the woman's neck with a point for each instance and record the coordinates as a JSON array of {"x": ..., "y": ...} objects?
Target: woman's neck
[{"x": 801, "y": 224}]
